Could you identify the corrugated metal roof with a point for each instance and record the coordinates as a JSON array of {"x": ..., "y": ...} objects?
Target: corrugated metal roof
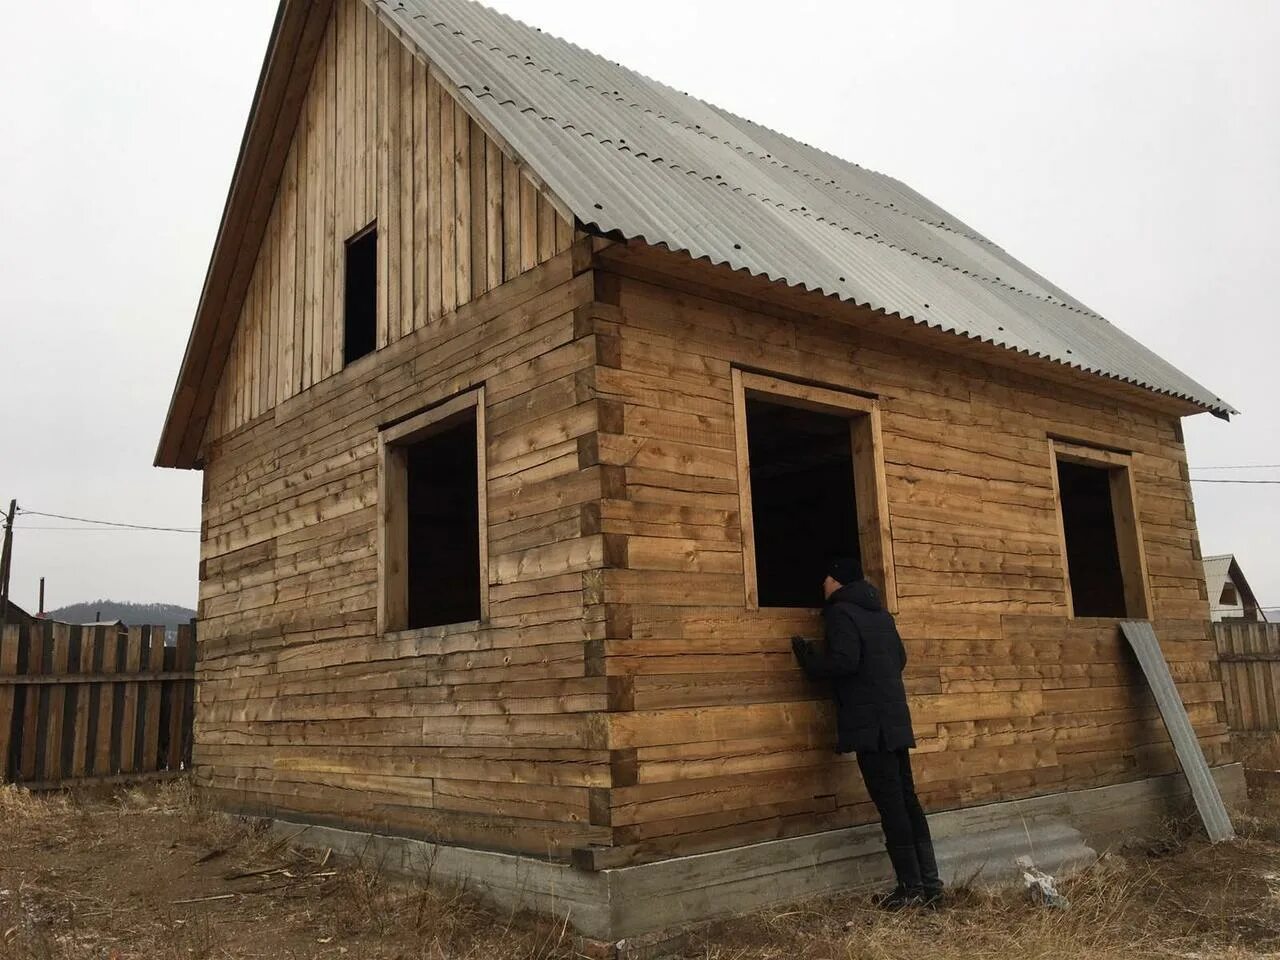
[{"x": 630, "y": 155}]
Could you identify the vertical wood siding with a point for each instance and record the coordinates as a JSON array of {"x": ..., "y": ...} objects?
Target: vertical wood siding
[{"x": 378, "y": 137}]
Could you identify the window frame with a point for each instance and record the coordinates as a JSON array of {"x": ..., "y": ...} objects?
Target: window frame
[
  {"x": 875, "y": 539},
  {"x": 393, "y": 525},
  {"x": 1130, "y": 544}
]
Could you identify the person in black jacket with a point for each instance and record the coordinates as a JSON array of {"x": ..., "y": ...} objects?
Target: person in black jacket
[{"x": 864, "y": 660}]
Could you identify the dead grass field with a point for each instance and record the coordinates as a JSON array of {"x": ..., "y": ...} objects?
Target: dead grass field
[{"x": 151, "y": 874}]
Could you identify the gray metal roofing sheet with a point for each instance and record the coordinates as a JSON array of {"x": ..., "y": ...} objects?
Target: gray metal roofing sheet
[{"x": 629, "y": 155}]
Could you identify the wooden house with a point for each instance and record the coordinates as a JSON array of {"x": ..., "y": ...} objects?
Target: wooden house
[
  {"x": 531, "y": 395},
  {"x": 1230, "y": 596}
]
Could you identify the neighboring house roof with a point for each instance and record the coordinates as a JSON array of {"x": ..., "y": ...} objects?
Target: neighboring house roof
[
  {"x": 1217, "y": 571},
  {"x": 630, "y": 157},
  {"x": 17, "y": 615}
]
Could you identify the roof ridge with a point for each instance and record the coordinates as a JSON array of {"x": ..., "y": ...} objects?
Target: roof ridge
[
  {"x": 527, "y": 61},
  {"x": 621, "y": 146}
]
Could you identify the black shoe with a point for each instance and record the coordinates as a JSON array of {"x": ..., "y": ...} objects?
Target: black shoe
[
  {"x": 899, "y": 898},
  {"x": 930, "y": 881}
]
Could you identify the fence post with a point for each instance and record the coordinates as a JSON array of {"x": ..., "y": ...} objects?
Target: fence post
[{"x": 9, "y": 638}]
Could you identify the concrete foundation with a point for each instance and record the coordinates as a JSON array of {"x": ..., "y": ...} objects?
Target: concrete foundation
[{"x": 1061, "y": 832}]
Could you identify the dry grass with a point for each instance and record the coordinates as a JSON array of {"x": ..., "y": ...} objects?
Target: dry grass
[{"x": 106, "y": 877}]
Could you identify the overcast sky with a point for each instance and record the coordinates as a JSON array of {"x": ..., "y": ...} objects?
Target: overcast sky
[{"x": 1128, "y": 151}]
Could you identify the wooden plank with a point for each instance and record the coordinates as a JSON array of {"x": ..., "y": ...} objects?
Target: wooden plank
[
  {"x": 103, "y": 762},
  {"x": 435, "y": 234},
  {"x": 479, "y": 211},
  {"x": 372, "y": 31},
  {"x": 871, "y": 493},
  {"x": 448, "y": 206},
  {"x": 309, "y": 193},
  {"x": 511, "y": 245},
  {"x": 128, "y": 720},
  {"x": 1062, "y": 529},
  {"x": 546, "y": 228},
  {"x": 393, "y": 544},
  {"x": 388, "y": 187},
  {"x": 179, "y": 694},
  {"x": 331, "y": 242},
  {"x": 419, "y": 256},
  {"x": 361, "y": 199},
  {"x": 493, "y": 214},
  {"x": 405, "y": 170},
  {"x": 151, "y": 721},
  {"x": 745, "y": 519},
  {"x": 462, "y": 201},
  {"x": 9, "y": 640},
  {"x": 1129, "y": 541},
  {"x": 37, "y": 634},
  {"x": 83, "y": 697},
  {"x": 482, "y": 500},
  {"x": 56, "y": 704},
  {"x": 528, "y": 224}
]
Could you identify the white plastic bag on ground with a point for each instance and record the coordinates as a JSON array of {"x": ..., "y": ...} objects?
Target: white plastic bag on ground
[{"x": 1041, "y": 886}]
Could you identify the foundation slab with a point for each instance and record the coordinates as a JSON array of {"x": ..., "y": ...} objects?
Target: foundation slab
[{"x": 1061, "y": 832}]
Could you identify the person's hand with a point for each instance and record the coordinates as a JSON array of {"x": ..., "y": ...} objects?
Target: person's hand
[{"x": 800, "y": 647}]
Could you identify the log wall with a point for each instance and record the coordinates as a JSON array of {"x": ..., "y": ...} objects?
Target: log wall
[
  {"x": 717, "y": 738},
  {"x": 477, "y": 735}
]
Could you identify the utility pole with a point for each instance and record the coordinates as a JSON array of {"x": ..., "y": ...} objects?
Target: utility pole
[
  {"x": 6, "y": 562},
  {"x": 41, "y": 614}
]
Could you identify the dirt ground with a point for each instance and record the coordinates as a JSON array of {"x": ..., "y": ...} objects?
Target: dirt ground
[{"x": 151, "y": 874}]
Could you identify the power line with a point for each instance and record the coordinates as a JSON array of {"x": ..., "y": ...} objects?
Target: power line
[
  {"x": 1261, "y": 482},
  {"x": 107, "y": 523},
  {"x": 1242, "y": 466},
  {"x": 20, "y": 529}
]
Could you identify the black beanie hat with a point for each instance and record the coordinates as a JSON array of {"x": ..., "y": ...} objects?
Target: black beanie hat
[{"x": 845, "y": 570}]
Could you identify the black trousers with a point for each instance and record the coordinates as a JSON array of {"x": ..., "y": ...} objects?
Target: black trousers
[{"x": 887, "y": 774}]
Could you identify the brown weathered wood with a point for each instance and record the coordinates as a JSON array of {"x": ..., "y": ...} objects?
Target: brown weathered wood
[
  {"x": 129, "y": 720},
  {"x": 9, "y": 640},
  {"x": 151, "y": 718},
  {"x": 179, "y": 720},
  {"x": 82, "y": 692},
  {"x": 104, "y": 764},
  {"x": 54, "y": 720},
  {"x": 37, "y": 635}
]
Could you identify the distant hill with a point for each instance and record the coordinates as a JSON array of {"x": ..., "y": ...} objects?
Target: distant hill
[{"x": 149, "y": 614}]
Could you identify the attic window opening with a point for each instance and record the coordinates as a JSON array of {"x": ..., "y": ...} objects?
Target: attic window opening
[
  {"x": 360, "y": 303},
  {"x": 433, "y": 544},
  {"x": 1229, "y": 598},
  {"x": 810, "y": 475},
  {"x": 1101, "y": 539}
]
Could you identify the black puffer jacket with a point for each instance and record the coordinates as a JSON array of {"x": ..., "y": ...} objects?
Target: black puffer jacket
[{"x": 864, "y": 660}]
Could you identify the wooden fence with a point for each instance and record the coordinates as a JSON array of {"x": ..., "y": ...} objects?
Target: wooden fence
[
  {"x": 1249, "y": 654},
  {"x": 94, "y": 704}
]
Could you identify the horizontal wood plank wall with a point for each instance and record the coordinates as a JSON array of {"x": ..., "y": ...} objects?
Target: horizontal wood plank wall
[
  {"x": 716, "y": 738},
  {"x": 482, "y": 736},
  {"x": 378, "y": 138}
]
